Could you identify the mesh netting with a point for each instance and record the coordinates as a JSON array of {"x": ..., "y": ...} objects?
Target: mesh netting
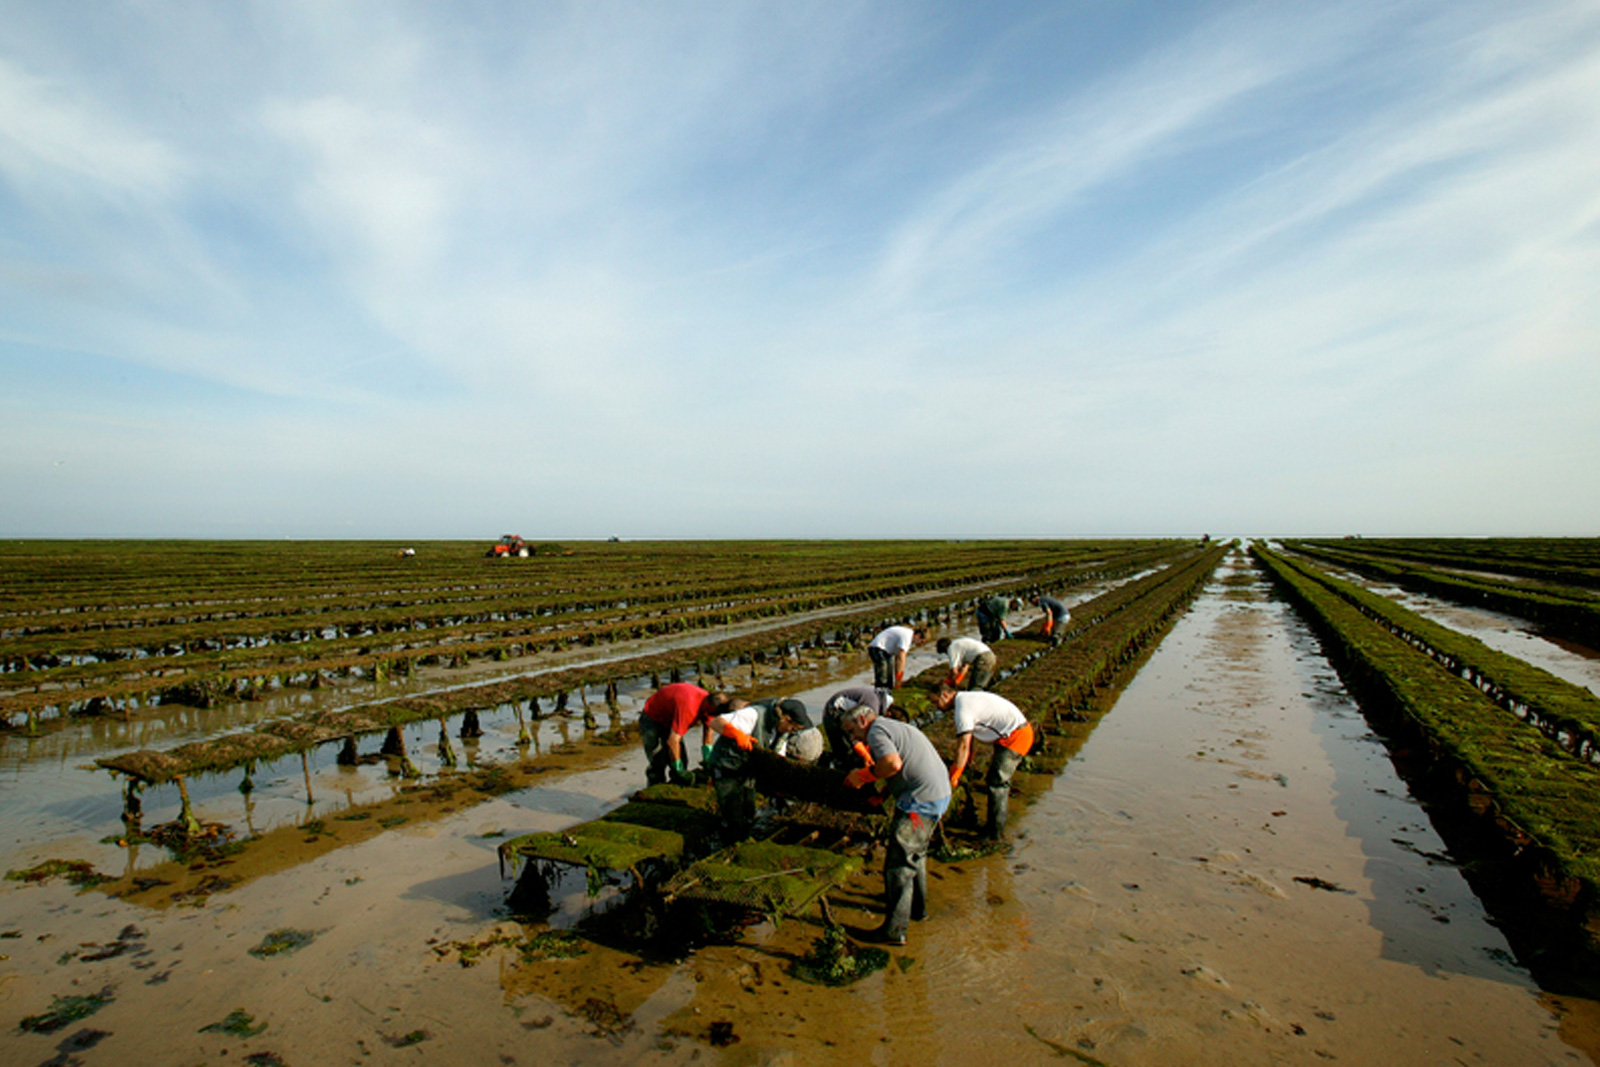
[{"x": 761, "y": 876}]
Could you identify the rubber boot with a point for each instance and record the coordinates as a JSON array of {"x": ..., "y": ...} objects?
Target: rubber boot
[
  {"x": 899, "y": 889},
  {"x": 999, "y": 804}
]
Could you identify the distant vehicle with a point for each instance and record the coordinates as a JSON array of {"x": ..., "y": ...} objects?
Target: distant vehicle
[
  {"x": 509, "y": 545},
  {"x": 406, "y": 553}
]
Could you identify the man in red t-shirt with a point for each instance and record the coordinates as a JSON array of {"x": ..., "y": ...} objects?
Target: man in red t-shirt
[{"x": 666, "y": 718}]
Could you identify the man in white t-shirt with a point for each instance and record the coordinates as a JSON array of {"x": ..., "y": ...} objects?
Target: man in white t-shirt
[
  {"x": 992, "y": 718},
  {"x": 741, "y": 727},
  {"x": 971, "y": 661},
  {"x": 888, "y": 654}
]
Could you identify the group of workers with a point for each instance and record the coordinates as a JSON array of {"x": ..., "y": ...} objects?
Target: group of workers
[{"x": 866, "y": 742}]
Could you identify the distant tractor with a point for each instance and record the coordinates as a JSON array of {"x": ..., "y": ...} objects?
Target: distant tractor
[{"x": 509, "y": 545}]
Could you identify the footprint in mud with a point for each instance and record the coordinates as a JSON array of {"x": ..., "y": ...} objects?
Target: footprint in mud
[
  {"x": 1260, "y": 884},
  {"x": 1201, "y": 973},
  {"x": 1253, "y": 1012},
  {"x": 407, "y": 1040}
]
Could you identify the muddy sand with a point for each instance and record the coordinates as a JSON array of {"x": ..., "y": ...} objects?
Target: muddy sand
[{"x": 1229, "y": 872}]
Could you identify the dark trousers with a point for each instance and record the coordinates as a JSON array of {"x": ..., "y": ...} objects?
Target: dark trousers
[
  {"x": 988, "y": 627},
  {"x": 654, "y": 738},
  {"x": 736, "y": 803},
  {"x": 1002, "y": 765},
  {"x": 982, "y": 672},
  {"x": 905, "y": 872},
  {"x": 882, "y": 668}
]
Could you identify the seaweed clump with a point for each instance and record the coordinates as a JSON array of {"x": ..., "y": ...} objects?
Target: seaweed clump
[
  {"x": 64, "y": 1010},
  {"x": 949, "y": 852},
  {"x": 547, "y": 945},
  {"x": 834, "y": 961},
  {"x": 552, "y": 945},
  {"x": 239, "y": 1023},
  {"x": 415, "y": 1037},
  {"x": 79, "y": 872},
  {"x": 280, "y": 942}
]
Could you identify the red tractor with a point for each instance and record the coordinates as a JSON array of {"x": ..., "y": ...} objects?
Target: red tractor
[{"x": 508, "y": 546}]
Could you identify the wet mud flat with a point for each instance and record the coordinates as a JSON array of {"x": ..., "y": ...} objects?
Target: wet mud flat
[{"x": 1228, "y": 871}]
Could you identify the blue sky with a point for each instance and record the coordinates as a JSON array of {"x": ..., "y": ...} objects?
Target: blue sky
[{"x": 811, "y": 270}]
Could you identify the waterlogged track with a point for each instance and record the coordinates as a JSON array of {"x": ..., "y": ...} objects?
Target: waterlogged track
[
  {"x": 1567, "y": 660},
  {"x": 1228, "y": 872},
  {"x": 1233, "y": 873}
]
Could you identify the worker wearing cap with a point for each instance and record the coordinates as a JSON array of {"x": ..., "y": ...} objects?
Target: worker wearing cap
[
  {"x": 971, "y": 661},
  {"x": 992, "y": 613},
  {"x": 663, "y": 722},
  {"x": 988, "y": 717},
  {"x": 741, "y": 727},
  {"x": 888, "y": 654},
  {"x": 1056, "y": 617},
  {"x": 905, "y": 760},
  {"x": 840, "y": 753}
]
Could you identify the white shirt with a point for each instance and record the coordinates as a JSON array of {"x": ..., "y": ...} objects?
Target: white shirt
[
  {"x": 987, "y": 716},
  {"x": 964, "y": 651},
  {"x": 743, "y": 719},
  {"x": 894, "y": 639}
]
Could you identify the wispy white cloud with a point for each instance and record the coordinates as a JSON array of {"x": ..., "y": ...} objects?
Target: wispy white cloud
[
  {"x": 55, "y": 144},
  {"x": 1092, "y": 139},
  {"x": 750, "y": 258}
]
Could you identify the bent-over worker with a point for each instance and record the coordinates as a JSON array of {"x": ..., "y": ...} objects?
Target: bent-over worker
[
  {"x": 664, "y": 720},
  {"x": 741, "y": 728},
  {"x": 888, "y": 654},
  {"x": 988, "y": 717},
  {"x": 904, "y": 758},
  {"x": 992, "y": 611},
  {"x": 971, "y": 661},
  {"x": 833, "y": 711},
  {"x": 1056, "y": 617}
]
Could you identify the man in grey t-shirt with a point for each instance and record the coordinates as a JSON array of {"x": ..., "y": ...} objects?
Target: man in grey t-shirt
[
  {"x": 904, "y": 758},
  {"x": 1056, "y": 617}
]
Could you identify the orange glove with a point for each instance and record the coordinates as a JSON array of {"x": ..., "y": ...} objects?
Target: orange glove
[
  {"x": 899, "y": 679},
  {"x": 955, "y": 780},
  {"x": 858, "y": 777},
  {"x": 1049, "y": 624},
  {"x": 864, "y": 752},
  {"x": 739, "y": 737}
]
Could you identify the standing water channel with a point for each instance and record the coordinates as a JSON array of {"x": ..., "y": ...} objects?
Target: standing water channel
[{"x": 1229, "y": 872}]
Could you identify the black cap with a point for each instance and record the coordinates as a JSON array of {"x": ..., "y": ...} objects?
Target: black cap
[{"x": 796, "y": 711}]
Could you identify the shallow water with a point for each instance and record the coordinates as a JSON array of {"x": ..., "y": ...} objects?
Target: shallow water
[
  {"x": 1149, "y": 913},
  {"x": 1567, "y": 660}
]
